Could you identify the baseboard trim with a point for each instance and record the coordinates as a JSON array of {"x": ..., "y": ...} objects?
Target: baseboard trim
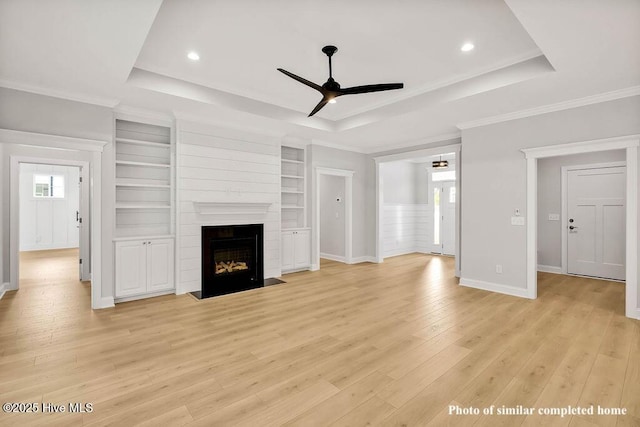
[
  {"x": 549, "y": 269},
  {"x": 297, "y": 270},
  {"x": 360, "y": 259},
  {"x": 314, "y": 267},
  {"x": 400, "y": 252},
  {"x": 3, "y": 289},
  {"x": 106, "y": 302},
  {"x": 331, "y": 257},
  {"x": 143, "y": 296},
  {"x": 494, "y": 287}
]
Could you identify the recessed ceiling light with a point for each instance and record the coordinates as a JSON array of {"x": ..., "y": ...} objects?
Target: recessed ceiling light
[
  {"x": 193, "y": 56},
  {"x": 332, "y": 101},
  {"x": 467, "y": 47}
]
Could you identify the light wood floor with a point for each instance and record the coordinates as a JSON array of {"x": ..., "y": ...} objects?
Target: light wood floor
[{"x": 390, "y": 344}]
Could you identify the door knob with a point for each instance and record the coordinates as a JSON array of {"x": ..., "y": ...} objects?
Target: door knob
[{"x": 571, "y": 227}]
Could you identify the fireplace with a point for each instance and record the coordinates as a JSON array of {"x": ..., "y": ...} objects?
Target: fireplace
[{"x": 232, "y": 259}]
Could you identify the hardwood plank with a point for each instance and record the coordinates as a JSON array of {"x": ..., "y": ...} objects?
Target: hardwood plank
[{"x": 365, "y": 344}]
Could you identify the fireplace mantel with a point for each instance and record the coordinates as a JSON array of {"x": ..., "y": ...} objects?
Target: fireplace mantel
[{"x": 232, "y": 208}]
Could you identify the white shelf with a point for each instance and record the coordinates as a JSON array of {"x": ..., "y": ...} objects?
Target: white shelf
[
  {"x": 144, "y": 143},
  {"x": 141, "y": 185},
  {"x": 126, "y": 238},
  {"x": 293, "y": 212},
  {"x": 300, "y": 162},
  {"x": 142, "y": 164},
  {"x": 144, "y": 198},
  {"x": 136, "y": 205}
]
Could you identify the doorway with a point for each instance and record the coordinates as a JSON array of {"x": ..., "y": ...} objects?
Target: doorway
[
  {"x": 332, "y": 217},
  {"x": 51, "y": 205},
  {"x": 345, "y": 206},
  {"x": 630, "y": 145},
  {"x": 418, "y": 203},
  {"x": 444, "y": 216},
  {"x": 595, "y": 214},
  {"x": 51, "y": 213}
]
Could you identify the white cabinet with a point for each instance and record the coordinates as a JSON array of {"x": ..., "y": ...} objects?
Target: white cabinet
[
  {"x": 296, "y": 250},
  {"x": 143, "y": 266}
]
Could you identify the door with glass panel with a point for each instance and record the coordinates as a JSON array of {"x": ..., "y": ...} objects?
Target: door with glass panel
[{"x": 444, "y": 217}]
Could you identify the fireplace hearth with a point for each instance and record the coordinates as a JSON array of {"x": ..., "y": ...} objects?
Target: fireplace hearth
[{"x": 232, "y": 259}]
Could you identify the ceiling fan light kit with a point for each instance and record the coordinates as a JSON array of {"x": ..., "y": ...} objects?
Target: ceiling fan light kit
[{"x": 331, "y": 89}]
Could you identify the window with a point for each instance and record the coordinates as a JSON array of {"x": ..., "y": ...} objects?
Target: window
[
  {"x": 48, "y": 186},
  {"x": 443, "y": 176}
]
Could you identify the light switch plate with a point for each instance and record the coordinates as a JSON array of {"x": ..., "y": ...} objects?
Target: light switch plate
[
  {"x": 554, "y": 217},
  {"x": 517, "y": 220}
]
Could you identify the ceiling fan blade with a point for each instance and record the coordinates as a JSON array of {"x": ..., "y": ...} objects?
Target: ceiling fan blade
[
  {"x": 301, "y": 80},
  {"x": 319, "y": 106},
  {"x": 370, "y": 88}
]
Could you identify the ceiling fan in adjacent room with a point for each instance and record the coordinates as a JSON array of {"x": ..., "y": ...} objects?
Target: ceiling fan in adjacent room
[{"x": 331, "y": 89}]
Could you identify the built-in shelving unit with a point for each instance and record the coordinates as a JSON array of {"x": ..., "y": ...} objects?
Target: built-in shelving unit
[
  {"x": 293, "y": 188},
  {"x": 295, "y": 244},
  {"x": 144, "y": 180}
]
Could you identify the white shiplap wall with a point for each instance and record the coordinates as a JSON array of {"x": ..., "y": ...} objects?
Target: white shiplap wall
[
  {"x": 223, "y": 165},
  {"x": 406, "y": 228}
]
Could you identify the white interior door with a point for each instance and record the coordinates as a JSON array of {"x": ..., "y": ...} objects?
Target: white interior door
[
  {"x": 82, "y": 219},
  {"x": 444, "y": 218},
  {"x": 596, "y": 222}
]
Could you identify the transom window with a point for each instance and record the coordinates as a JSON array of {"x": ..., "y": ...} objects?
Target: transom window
[{"x": 443, "y": 176}]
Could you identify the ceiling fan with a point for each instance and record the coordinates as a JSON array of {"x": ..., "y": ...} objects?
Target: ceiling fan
[{"x": 331, "y": 89}]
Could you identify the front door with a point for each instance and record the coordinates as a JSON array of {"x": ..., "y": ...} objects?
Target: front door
[
  {"x": 596, "y": 222},
  {"x": 444, "y": 217}
]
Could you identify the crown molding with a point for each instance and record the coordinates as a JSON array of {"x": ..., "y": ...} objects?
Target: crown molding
[
  {"x": 55, "y": 93},
  {"x": 380, "y": 149},
  {"x": 442, "y": 83},
  {"x": 127, "y": 112},
  {"x": 10, "y": 136},
  {"x": 337, "y": 146},
  {"x": 414, "y": 144},
  {"x": 560, "y": 106}
]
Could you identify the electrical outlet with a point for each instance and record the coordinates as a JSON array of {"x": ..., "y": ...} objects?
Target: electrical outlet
[{"x": 499, "y": 268}]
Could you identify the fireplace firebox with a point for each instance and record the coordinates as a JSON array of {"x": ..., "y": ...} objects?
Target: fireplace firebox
[{"x": 232, "y": 259}]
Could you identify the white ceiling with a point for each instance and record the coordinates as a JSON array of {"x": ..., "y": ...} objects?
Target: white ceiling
[{"x": 528, "y": 54}]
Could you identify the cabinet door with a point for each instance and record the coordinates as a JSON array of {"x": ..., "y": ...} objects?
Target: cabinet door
[
  {"x": 160, "y": 264},
  {"x": 287, "y": 250},
  {"x": 131, "y": 268},
  {"x": 302, "y": 249}
]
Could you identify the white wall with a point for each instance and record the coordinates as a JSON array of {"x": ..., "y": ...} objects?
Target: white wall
[
  {"x": 399, "y": 182},
  {"x": 223, "y": 165},
  {"x": 550, "y": 200},
  {"x": 28, "y": 112},
  {"x": 404, "y": 221},
  {"x": 332, "y": 216},
  {"x": 48, "y": 223},
  {"x": 494, "y": 181}
]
